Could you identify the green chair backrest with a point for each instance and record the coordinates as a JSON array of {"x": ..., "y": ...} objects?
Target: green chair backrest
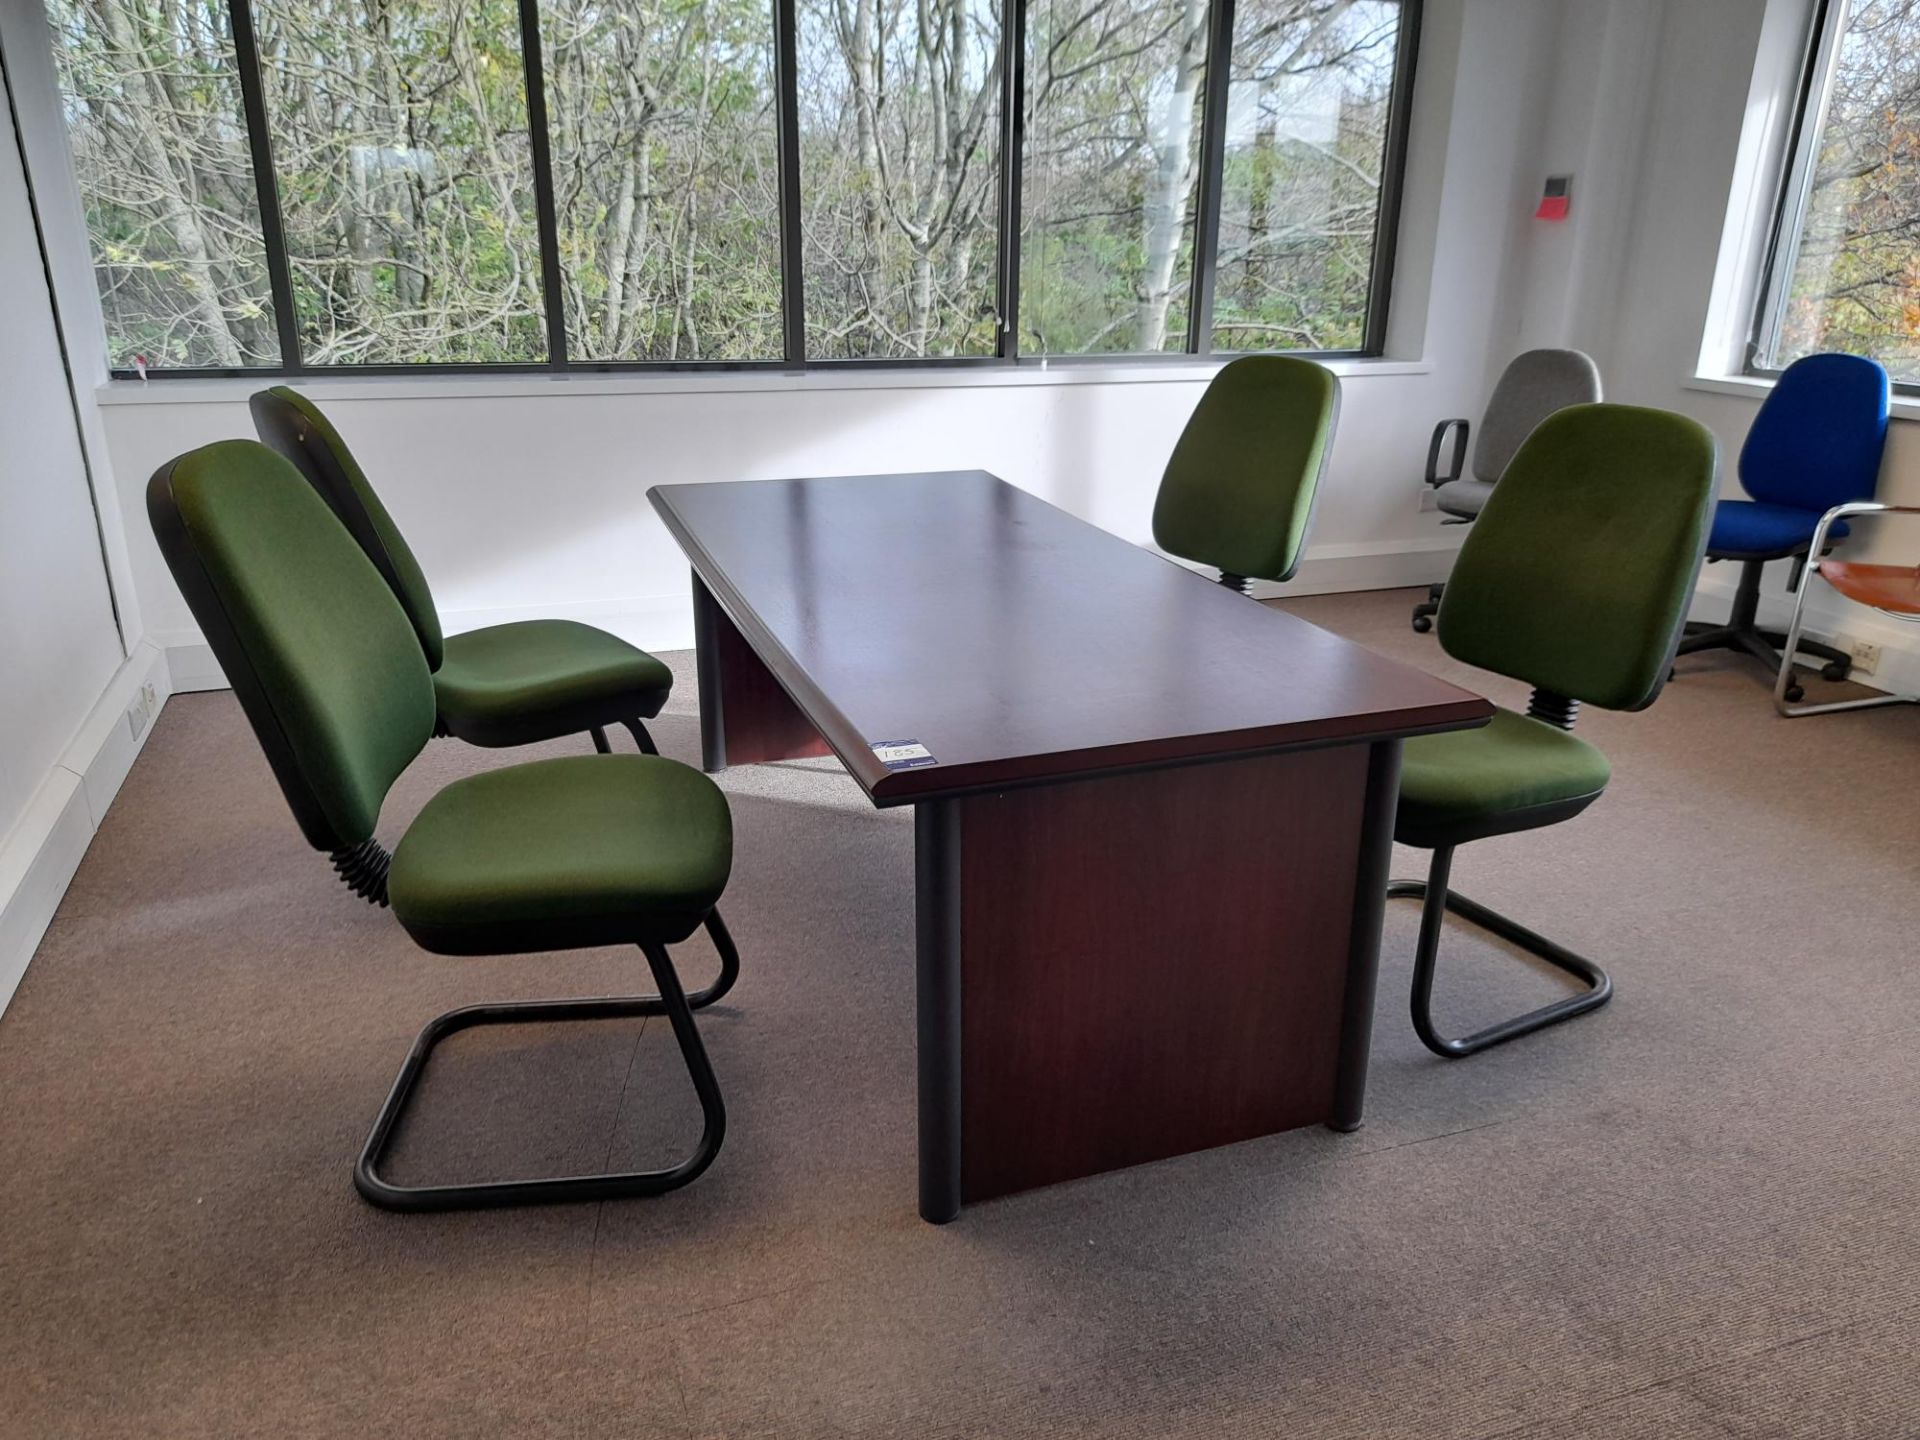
[
  {"x": 310, "y": 637},
  {"x": 293, "y": 425},
  {"x": 1577, "y": 574},
  {"x": 1238, "y": 493}
]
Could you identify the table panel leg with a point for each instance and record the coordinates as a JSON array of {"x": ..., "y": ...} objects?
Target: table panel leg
[
  {"x": 745, "y": 715},
  {"x": 1363, "y": 948},
  {"x": 1149, "y": 964},
  {"x": 936, "y": 890}
]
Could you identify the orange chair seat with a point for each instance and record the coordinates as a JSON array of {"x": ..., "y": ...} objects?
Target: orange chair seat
[{"x": 1885, "y": 587}]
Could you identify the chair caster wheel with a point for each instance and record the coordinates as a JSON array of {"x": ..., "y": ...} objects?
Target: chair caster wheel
[
  {"x": 1422, "y": 624},
  {"x": 1835, "y": 670},
  {"x": 1795, "y": 694}
]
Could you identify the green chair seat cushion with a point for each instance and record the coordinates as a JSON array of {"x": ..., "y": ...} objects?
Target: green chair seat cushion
[
  {"x": 1508, "y": 775},
  {"x": 538, "y": 679},
  {"x": 562, "y": 854}
]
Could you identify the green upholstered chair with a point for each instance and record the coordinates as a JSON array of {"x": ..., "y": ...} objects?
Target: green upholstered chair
[
  {"x": 1576, "y": 580},
  {"x": 511, "y": 684},
  {"x": 554, "y": 855},
  {"x": 1239, "y": 491}
]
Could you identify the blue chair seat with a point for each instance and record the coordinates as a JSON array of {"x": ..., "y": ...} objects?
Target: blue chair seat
[{"x": 1746, "y": 529}]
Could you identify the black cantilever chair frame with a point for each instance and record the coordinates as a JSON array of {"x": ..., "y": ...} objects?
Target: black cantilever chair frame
[
  {"x": 1575, "y": 580},
  {"x": 340, "y": 708}
]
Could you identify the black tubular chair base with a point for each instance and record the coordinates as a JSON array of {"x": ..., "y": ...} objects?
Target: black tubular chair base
[
  {"x": 1436, "y": 898},
  {"x": 671, "y": 1001},
  {"x": 635, "y": 728}
]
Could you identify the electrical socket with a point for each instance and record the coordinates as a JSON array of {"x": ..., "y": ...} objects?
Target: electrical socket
[
  {"x": 151, "y": 696},
  {"x": 1866, "y": 657},
  {"x": 1429, "y": 499},
  {"x": 138, "y": 714}
]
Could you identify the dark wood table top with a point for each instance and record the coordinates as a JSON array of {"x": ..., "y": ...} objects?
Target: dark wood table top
[{"x": 1015, "y": 642}]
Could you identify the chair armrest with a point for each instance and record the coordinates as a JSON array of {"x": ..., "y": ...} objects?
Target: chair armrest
[
  {"x": 1850, "y": 509},
  {"x": 1434, "y": 477}
]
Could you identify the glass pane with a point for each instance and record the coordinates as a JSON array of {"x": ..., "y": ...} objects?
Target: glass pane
[
  {"x": 899, "y": 176},
  {"x": 1855, "y": 278},
  {"x": 1114, "y": 94},
  {"x": 160, "y": 152},
  {"x": 1306, "y": 143},
  {"x": 399, "y": 133},
  {"x": 666, "y": 177}
]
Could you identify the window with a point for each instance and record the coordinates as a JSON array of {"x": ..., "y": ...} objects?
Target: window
[
  {"x": 1845, "y": 267},
  {"x": 295, "y": 186},
  {"x": 666, "y": 177},
  {"x": 1113, "y": 147},
  {"x": 1309, "y": 113},
  {"x": 399, "y": 139},
  {"x": 899, "y": 117},
  {"x": 159, "y": 140}
]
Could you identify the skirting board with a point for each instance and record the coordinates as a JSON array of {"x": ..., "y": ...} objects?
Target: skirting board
[
  {"x": 1339, "y": 569},
  {"x": 39, "y": 856}
]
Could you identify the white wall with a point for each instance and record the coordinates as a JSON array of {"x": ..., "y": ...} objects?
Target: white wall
[
  {"x": 1672, "y": 117},
  {"x": 58, "y": 644},
  {"x": 60, "y": 651},
  {"x": 534, "y": 505},
  {"x": 528, "y": 498},
  {"x": 1722, "y": 99}
]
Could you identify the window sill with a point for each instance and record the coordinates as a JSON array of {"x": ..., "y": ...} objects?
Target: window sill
[
  {"x": 228, "y": 390},
  {"x": 1757, "y": 388}
]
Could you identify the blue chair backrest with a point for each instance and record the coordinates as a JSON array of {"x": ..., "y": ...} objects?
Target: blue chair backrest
[{"x": 1817, "y": 440}]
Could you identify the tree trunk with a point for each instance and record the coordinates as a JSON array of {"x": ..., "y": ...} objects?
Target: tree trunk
[
  {"x": 1166, "y": 208},
  {"x": 1259, "y": 213},
  {"x": 180, "y": 215},
  {"x": 865, "y": 76},
  {"x": 920, "y": 301},
  {"x": 613, "y": 261}
]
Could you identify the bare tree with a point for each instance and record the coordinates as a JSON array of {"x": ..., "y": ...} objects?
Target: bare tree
[
  {"x": 402, "y": 165},
  {"x": 1855, "y": 283}
]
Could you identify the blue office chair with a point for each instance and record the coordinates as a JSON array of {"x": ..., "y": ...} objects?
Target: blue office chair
[{"x": 1815, "y": 444}]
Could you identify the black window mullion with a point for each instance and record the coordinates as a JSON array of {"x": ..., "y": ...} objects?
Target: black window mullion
[
  {"x": 1393, "y": 174},
  {"x": 273, "y": 238},
  {"x": 793, "y": 296},
  {"x": 546, "y": 214},
  {"x": 1013, "y": 143},
  {"x": 1213, "y": 150}
]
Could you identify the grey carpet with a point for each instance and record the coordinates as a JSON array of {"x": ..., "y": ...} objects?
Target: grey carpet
[{"x": 1695, "y": 1213}]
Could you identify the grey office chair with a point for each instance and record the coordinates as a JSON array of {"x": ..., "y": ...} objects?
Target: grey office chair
[{"x": 1531, "y": 388}]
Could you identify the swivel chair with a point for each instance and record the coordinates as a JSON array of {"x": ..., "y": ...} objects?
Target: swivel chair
[
  {"x": 1534, "y": 385},
  {"x": 1575, "y": 579},
  {"x": 513, "y": 684},
  {"x": 1239, "y": 490},
  {"x": 558, "y": 854},
  {"x": 1815, "y": 444}
]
